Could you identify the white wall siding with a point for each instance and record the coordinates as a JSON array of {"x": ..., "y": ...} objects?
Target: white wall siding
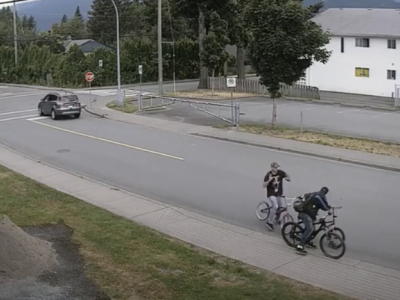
[{"x": 338, "y": 75}]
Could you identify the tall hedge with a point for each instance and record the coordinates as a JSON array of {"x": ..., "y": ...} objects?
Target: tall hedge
[{"x": 40, "y": 66}]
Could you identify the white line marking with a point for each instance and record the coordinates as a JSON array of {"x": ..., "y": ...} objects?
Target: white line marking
[
  {"x": 37, "y": 118},
  {"x": 16, "y": 112},
  {"x": 21, "y": 95},
  {"x": 348, "y": 111},
  {"x": 5, "y": 94},
  {"x": 385, "y": 114},
  {"x": 16, "y": 118},
  {"x": 311, "y": 108}
]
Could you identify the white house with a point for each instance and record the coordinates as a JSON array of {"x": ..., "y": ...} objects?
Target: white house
[{"x": 365, "y": 45}]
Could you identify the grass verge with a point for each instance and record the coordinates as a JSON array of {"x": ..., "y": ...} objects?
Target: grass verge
[
  {"x": 325, "y": 139},
  {"x": 209, "y": 95},
  {"x": 128, "y": 107},
  {"x": 129, "y": 261}
]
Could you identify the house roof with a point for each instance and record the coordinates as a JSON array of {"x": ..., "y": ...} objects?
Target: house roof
[
  {"x": 69, "y": 43},
  {"x": 360, "y": 22}
]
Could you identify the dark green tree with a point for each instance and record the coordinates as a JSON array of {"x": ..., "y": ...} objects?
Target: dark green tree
[
  {"x": 200, "y": 10},
  {"x": 102, "y": 24},
  {"x": 64, "y": 19},
  {"x": 284, "y": 43},
  {"x": 214, "y": 53},
  {"x": 31, "y": 24},
  {"x": 78, "y": 13},
  {"x": 238, "y": 34}
]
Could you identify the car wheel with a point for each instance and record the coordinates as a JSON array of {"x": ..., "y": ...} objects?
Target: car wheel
[
  {"x": 77, "y": 116},
  {"x": 40, "y": 111},
  {"x": 53, "y": 114}
]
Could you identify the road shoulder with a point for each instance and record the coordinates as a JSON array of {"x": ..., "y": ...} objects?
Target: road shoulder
[
  {"x": 383, "y": 162},
  {"x": 348, "y": 277}
]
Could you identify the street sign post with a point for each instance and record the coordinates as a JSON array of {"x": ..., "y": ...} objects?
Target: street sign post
[
  {"x": 140, "y": 71},
  {"x": 231, "y": 84},
  {"x": 100, "y": 63},
  {"x": 89, "y": 77}
]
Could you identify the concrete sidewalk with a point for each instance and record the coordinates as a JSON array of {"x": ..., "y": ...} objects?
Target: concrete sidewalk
[
  {"x": 349, "y": 277},
  {"x": 348, "y": 156}
]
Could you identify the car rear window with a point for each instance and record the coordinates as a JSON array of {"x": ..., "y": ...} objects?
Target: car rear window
[{"x": 69, "y": 98}]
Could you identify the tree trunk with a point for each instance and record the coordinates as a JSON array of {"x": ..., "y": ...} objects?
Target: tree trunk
[
  {"x": 202, "y": 33},
  {"x": 240, "y": 62},
  {"x": 274, "y": 113}
]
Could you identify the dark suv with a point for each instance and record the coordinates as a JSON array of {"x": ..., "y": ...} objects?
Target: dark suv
[{"x": 56, "y": 105}]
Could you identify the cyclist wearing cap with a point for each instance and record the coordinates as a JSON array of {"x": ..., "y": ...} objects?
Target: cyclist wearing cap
[
  {"x": 313, "y": 202},
  {"x": 274, "y": 185}
]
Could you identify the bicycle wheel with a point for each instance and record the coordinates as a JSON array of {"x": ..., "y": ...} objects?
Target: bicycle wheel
[
  {"x": 286, "y": 219},
  {"x": 262, "y": 211},
  {"x": 291, "y": 233},
  {"x": 340, "y": 232},
  {"x": 334, "y": 242}
]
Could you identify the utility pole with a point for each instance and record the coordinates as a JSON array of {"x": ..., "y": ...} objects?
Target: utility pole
[
  {"x": 120, "y": 100},
  {"x": 160, "y": 56},
  {"x": 15, "y": 34}
]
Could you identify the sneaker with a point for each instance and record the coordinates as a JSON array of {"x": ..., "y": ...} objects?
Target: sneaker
[
  {"x": 311, "y": 245},
  {"x": 269, "y": 226},
  {"x": 300, "y": 250}
]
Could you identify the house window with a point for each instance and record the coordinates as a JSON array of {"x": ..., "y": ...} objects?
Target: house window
[
  {"x": 391, "y": 44},
  {"x": 362, "y": 42},
  {"x": 391, "y": 74},
  {"x": 362, "y": 72},
  {"x": 342, "y": 45}
]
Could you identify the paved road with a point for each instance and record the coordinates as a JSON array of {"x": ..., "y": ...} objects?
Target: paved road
[
  {"x": 363, "y": 123},
  {"x": 218, "y": 179}
]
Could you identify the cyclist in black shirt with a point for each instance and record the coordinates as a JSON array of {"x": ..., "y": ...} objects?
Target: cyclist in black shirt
[{"x": 274, "y": 185}]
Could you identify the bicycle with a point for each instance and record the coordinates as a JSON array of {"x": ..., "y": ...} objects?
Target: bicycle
[
  {"x": 263, "y": 211},
  {"x": 331, "y": 233}
]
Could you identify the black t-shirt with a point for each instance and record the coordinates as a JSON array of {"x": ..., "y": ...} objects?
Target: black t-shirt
[{"x": 275, "y": 187}]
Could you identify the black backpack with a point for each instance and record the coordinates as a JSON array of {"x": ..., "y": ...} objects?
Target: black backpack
[{"x": 300, "y": 204}]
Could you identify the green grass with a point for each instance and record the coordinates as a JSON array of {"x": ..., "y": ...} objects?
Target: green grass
[
  {"x": 129, "y": 107},
  {"x": 129, "y": 261},
  {"x": 320, "y": 138}
]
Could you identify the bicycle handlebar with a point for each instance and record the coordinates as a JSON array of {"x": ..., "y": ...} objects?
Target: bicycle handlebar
[{"x": 332, "y": 212}]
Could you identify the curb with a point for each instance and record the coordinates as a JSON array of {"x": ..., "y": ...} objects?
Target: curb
[
  {"x": 94, "y": 113},
  {"x": 302, "y": 152}
]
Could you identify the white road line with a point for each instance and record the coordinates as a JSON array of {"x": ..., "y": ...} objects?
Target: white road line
[
  {"x": 37, "y": 118},
  {"x": 21, "y": 95},
  {"x": 311, "y": 108},
  {"x": 348, "y": 111},
  {"x": 16, "y": 112},
  {"x": 5, "y": 94},
  {"x": 16, "y": 118},
  {"x": 385, "y": 114}
]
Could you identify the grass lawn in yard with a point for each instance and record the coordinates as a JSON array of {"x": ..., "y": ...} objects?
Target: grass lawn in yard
[
  {"x": 325, "y": 139},
  {"x": 129, "y": 261}
]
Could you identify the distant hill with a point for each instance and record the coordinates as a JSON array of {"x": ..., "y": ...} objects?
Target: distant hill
[{"x": 47, "y": 12}]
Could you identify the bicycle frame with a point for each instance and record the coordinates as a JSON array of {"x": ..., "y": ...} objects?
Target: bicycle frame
[
  {"x": 324, "y": 225},
  {"x": 282, "y": 210}
]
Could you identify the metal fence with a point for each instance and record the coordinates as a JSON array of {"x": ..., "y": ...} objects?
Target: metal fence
[
  {"x": 254, "y": 87},
  {"x": 227, "y": 112}
]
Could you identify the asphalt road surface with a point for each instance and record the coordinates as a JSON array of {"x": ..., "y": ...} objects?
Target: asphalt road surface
[
  {"x": 362, "y": 123},
  {"x": 215, "y": 178}
]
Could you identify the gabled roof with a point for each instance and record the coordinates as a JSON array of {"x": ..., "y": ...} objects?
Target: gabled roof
[
  {"x": 360, "y": 22},
  {"x": 69, "y": 43}
]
